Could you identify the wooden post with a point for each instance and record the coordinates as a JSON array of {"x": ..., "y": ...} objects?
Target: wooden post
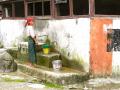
[
  {"x": 91, "y": 8},
  {"x": 71, "y": 7},
  {"x": 52, "y": 8},
  {"x": 13, "y": 9},
  {"x": 25, "y": 8}
]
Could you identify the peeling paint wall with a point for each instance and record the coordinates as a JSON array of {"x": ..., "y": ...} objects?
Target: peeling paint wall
[
  {"x": 100, "y": 59},
  {"x": 72, "y": 37},
  {"x": 11, "y": 32},
  {"x": 82, "y": 40}
]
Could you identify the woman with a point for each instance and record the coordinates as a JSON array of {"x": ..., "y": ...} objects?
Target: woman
[{"x": 31, "y": 40}]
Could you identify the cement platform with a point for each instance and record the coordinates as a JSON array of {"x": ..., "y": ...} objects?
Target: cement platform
[{"x": 65, "y": 76}]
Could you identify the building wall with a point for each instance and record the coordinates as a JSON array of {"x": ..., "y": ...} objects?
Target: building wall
[
  {"x": 101, "y": 61},
  {"x": 72, "y": 39},
  {"x": 82, "y": 40}
]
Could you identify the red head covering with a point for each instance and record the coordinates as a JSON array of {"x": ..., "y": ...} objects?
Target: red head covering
[{"x": 29, "y": 21}]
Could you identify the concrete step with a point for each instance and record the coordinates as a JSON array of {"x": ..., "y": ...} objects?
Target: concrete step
[
  {"x": 46, "y": 59},
  {"x": 63, "y": 77}
]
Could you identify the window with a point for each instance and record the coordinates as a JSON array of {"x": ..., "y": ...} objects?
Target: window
[
  {"x": 13, "y": 9},
  {"x": 107, "y": 7},
  {"x": 7, "y": 10},
  {"x": 46, "y": 7},
  {"x": 30, "y": 9},
  {"x": 80, "y": 7},
  {"x": 113, "y": 40},
  {"x": 19, "y": 9},
  {"x": 72, "y": 7},
  {"x": 63, "y": 9},
  {"x": 39, "y": 8}
]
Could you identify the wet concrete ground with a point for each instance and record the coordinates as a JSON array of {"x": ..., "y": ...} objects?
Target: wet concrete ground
[
  {"x": 98, "y": 84},
  {"x": 21, "y": 81},
  {"x": 104, "y": 84}
]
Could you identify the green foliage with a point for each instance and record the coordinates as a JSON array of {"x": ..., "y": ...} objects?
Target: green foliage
[
  {"x": 1, "y": 45},
  {"x": 51, "y": 85},
  {"x": 48, "y": 41},
  {"x": 50, "y": 44}
]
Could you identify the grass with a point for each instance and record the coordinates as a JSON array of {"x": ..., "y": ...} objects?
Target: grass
[
  {"x": 51, "y": 85},
  {"x": 13, "y": 80},
  {"x": 47, "y": 84}
]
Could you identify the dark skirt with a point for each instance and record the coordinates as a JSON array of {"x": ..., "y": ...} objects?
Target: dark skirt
[{"x": 31, "y": 50}]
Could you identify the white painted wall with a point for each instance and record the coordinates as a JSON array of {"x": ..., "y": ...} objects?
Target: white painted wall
[
  {"x": 71, "y": 35},
  {"x": 11, "y": 32},
  {"x": 78, "y": 43}
]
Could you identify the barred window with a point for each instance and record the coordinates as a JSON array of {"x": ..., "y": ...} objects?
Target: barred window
[
  {"x": 80, "y": 7},
  {"x": 19, "y": 9},
  {"x": 107, "y": 7},
  {"x": 7, "y": 10},
  {"x": 13, "y": 8},
  {"x": 113, "y": 40},
  {"x": 39, "y": 8}
]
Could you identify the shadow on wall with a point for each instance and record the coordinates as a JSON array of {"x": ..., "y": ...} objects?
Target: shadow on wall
[{"x": 41, "y": 24}]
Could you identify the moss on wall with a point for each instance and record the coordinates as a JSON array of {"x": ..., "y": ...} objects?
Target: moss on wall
[
  {"x": 1, "y": 45},
  {"x": 73, "y": 63},
  {"x": 13, "y": 53},
  {"x": 46, "y": 60}
]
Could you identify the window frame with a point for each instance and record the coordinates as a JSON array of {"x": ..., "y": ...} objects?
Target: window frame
[
  {"x": 14, "y": 13},
  {"x": 72, "y": 15},
  {"x": 12, "y": 3},
  {"x": 39, "y": 17},
  {"x": 3, "y": 13},
  {"x": 103, "y": 15},
  {"x": 53, "y": 12}
]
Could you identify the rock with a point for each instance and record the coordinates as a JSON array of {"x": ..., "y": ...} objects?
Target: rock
[{"x": 7, "y": 63}]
